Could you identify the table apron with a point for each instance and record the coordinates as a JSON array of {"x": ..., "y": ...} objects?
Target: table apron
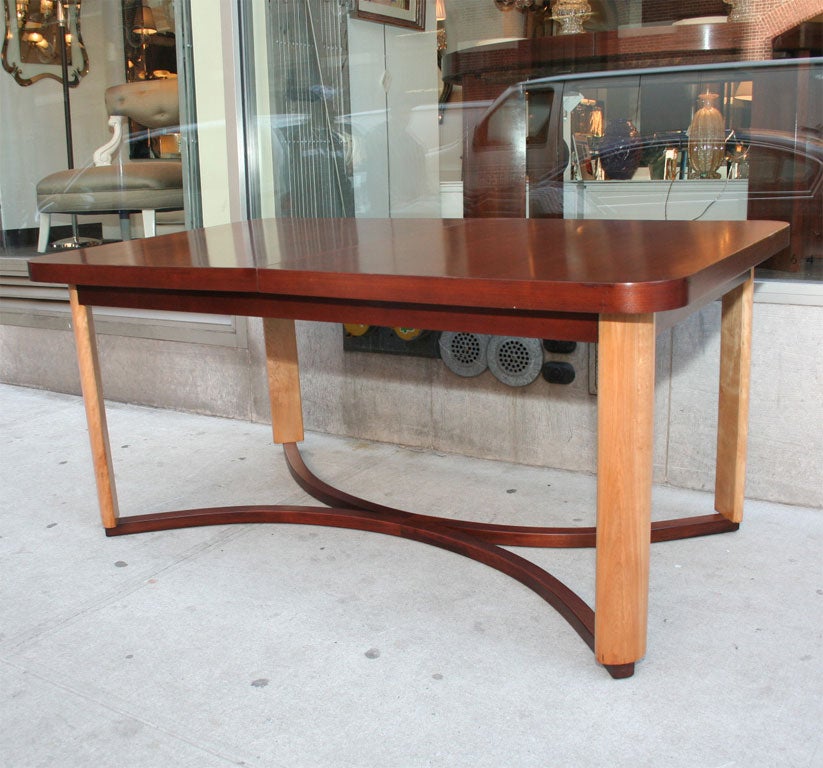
[
  {"x": 568, "y": 326},
  {"x": 528, "y": 323},
  {"x": 670, "y": 318}
]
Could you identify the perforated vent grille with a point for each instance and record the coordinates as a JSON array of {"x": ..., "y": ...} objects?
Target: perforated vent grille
[
  {"x": 464, "y": 353},
  {"x": 513, "y": 357},
  {"x": 515, "y": 361},
  {"x": 466, "y": 348}
]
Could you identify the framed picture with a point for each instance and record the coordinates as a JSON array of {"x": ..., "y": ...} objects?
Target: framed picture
[{"x": 402, "y": 13}]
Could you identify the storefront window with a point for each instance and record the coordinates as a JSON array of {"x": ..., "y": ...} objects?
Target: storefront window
[
  {"x": 349, "y": 108},
  {"x": 351, "y": 123},
  {"x": 714, "y": 142},
  {"x": 353, "y": 116}
]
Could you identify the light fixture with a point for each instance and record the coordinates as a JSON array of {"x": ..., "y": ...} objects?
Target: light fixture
[
  {"x": 521, "y": 5},
  {"x": 37, "y": 28},
  {"x": 440, "y": 15},
  {"x": 707, "y": 138},
  {"x": 571, "y": 14},
  {"x": 33, "y": 29},
  {"x": 143, "y": 23},
  {"x": 744, "y": 91},
  {"x": 739, "y": 10}
]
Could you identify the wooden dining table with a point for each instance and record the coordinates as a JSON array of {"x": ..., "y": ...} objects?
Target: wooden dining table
[{"x": 614, "y": 283}]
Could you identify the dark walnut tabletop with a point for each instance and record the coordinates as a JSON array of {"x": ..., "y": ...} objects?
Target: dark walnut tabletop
[{"x": 603, "y": 266}]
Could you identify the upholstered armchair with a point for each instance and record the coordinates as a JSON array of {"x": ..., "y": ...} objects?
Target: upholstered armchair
[{"x": 114, "y": 186}]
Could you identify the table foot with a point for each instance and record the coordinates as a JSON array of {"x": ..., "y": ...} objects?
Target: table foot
[{"x": 620, "y": 671}]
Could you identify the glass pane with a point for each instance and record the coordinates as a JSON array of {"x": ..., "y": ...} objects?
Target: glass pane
[
  {"x": 717, "y": 142},
  {"x": 97, "y": 155},
  {"x": 310, "y": 122},
  {"x": 356, "y": 118}
]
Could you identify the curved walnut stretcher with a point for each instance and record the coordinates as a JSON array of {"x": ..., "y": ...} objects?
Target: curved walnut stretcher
[
  {"x": 346, "y": 288},
  {"x": 478, "y": 541}
]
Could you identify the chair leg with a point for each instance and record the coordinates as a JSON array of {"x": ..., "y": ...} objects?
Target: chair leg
[
  {"x": 149, "y": 222},
  {"x": 43, "y": 237},
  {"x": 125, "y": 226}
]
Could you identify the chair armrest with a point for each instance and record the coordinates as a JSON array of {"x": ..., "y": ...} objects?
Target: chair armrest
[{"x": 103, "y": 155}]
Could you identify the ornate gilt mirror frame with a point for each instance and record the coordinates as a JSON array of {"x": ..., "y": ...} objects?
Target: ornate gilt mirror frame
[{"x": 31, "y": 49}]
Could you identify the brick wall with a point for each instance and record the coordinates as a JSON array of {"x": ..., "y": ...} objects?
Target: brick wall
[
  {"x": 655, "y": 11},
  {"x": 765, "y": 19}
]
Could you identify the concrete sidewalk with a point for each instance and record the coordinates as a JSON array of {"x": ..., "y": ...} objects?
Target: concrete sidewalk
[{"x": 300, "y": 646}]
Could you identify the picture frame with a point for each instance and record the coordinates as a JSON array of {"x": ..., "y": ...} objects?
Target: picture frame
[{"x": 400, "y": 13}]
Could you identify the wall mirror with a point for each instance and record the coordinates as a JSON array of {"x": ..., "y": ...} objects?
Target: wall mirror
[
  {"x": 31, "y": 45},
  {"x": 149, "y": 39}
]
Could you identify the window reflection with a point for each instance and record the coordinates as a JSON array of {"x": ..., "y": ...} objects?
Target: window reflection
[{"x": 724, "y": 142}]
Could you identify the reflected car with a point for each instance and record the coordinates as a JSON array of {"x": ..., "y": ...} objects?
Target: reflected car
[{"x": 541, "y": 136}]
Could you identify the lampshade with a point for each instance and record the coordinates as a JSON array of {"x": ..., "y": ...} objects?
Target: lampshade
[
  {"x": 144, "y": 21},
  {"x": 744, "y": 91}
]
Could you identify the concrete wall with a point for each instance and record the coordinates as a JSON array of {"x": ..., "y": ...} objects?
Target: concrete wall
[
  {"x": 418, "y": 402},
  {"x": 422, "y": 403}
]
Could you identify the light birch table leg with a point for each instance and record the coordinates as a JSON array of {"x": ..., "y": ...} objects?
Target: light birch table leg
[
  {"x": 733, "y": 400},
  {"x": 284, "y": 380},
  {"x": 90, "y": 382},
  {"x": 625, "y": 419}
]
